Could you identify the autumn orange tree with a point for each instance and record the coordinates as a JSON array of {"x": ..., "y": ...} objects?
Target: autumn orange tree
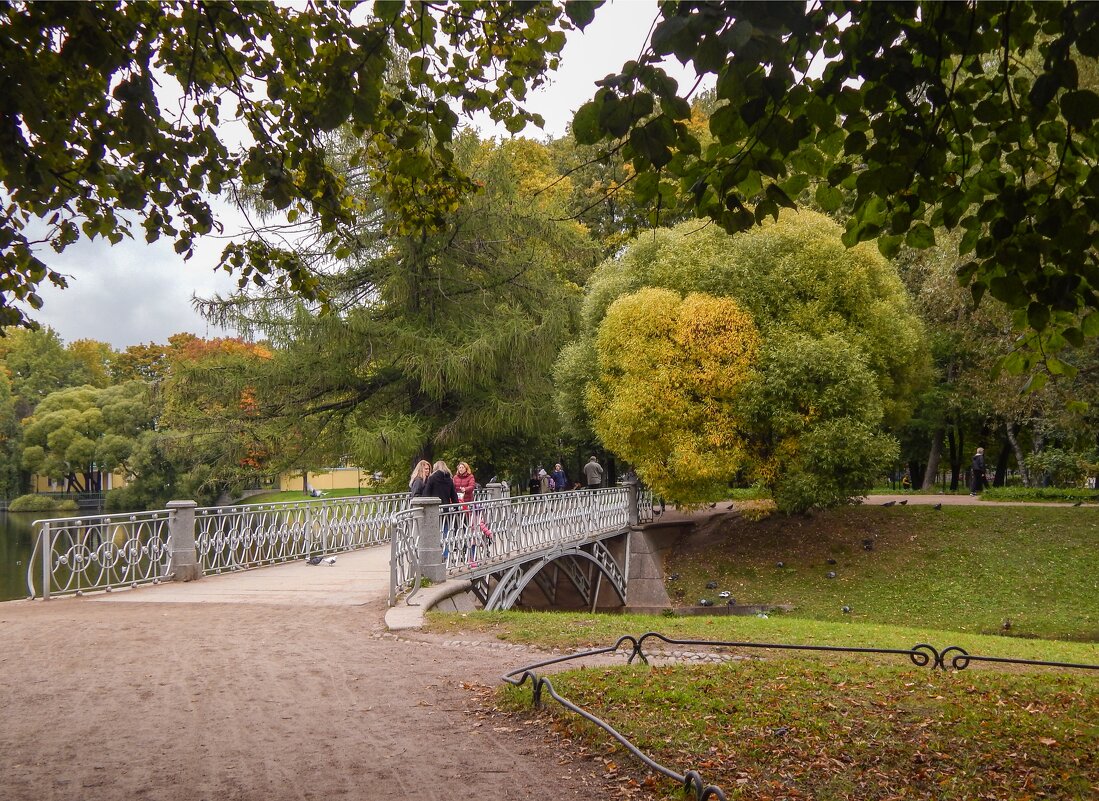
[{"x": 774, "y": 356}]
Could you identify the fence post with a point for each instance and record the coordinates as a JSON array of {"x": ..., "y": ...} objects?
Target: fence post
[
  {"x": 496, "y": 491},
  {"x": 632, "y": 516},
  {"x": 46, "y": 548},
  {"x": 181, "y": 528},
  {"x": 429, "y": 549}
]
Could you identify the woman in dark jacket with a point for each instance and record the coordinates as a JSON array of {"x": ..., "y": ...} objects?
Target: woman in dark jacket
[{"x": 440, "y": 484}]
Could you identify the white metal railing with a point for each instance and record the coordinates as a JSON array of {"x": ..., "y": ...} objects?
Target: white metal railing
[
  {"x": 251, "y": 535},
  {"x": 500, "y": 529},
  {"x": 98, "y": 552},
  {"x": 103, "y": 552},
  {"x": 404, "y": 566}
]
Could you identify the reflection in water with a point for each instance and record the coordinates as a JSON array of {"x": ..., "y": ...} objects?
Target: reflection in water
[{"x": 15, "y": 552}]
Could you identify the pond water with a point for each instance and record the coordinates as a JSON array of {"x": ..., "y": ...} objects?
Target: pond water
[{"x": 15, "y": 552}]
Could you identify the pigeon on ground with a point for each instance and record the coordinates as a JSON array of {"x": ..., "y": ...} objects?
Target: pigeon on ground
[
  {"x": 780, "y": 564},
  {"x": 938, "y": 507},
  {"x": 732, "y": 505},
  {"x": 1007, "y": 625},
  {"x": 711, "y": 585},
  {"x": 888, "y": 503},
  {"x": 1078, "y": 503},
  {"x": 831, "y": 574},
  {"x": 329, "y": 560},
  {"x": 724, "y": 594},
  {"x": 847, "y": 610},
  {"x": 831, "y": 561},
  {"x": 868, "y": 541},
  {"x": 712, "y": 505},
  {"x": 313, "y": 560},
  {"x": 705, "y": 602},
  {"x": 904, "y": 502},
  {"x": 673, "y": 577}
]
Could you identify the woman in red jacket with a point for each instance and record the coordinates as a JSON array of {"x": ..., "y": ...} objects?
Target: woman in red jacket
[{"x": 464, "y": 484}]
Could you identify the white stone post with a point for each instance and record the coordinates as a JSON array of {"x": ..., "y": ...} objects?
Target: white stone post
[
  {"x": 429, "y": 549},
  {"x": 181, "y": 528},
  {"x": 632, "y": 516}
]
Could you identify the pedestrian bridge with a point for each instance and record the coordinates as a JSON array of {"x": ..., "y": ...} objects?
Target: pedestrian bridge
[{"x": 568, "y": 548}]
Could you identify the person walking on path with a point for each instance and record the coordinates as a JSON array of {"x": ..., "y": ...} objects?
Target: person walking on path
[
  {"x": 560, "y": 480},
  {"x": 593, "y": 472},
  {"x": 977, "y": 481},
  {"x": 418, "y": 480}
]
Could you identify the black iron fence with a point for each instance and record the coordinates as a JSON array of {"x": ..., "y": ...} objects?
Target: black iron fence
[{"x": 921, "y": 655}]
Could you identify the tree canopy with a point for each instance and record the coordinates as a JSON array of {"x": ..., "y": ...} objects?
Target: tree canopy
[
  {"x": 434, "y": 340},
  {"x": 976, "y": 117},
  {"x": 113, "y": 117},
  {"x": 770, "y": 356}
]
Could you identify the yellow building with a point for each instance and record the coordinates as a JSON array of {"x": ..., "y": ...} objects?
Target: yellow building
[
  {"x": 108, "y": 481},
  {"x": 326, "y": 480}
]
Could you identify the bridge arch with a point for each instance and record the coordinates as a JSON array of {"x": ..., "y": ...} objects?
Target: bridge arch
[{"x": 568, "y": 563}]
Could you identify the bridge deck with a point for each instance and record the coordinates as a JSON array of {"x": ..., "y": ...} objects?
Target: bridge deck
[{"x": 358, "y": 577}]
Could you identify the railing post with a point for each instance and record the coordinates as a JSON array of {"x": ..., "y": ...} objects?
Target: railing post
[
  {"x": 632, "y": 515},
  {"x": 429, "y": 548},
  {"x": 47, "y": 559},
  {"x": 496, "y": 491},
  {"x": 181, "y": 528}
]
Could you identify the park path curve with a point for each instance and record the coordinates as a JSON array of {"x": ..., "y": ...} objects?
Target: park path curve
[{"x": 268, "y": 685}]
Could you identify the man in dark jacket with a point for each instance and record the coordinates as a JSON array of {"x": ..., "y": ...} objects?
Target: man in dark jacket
[{"x": 977, "y": 483}]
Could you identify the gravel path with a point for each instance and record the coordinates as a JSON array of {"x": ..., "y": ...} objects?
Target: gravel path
[{"x": 241, "y": 701}]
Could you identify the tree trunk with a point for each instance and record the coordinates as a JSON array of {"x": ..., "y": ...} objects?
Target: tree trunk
[
  {"x": 1000, "y": 479},
  {"x": 1009, "y": 428},
  {"x": 956, "y": 449},
  {"x": 933, "y": 458}
]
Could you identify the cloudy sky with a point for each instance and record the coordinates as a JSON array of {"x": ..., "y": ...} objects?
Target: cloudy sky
[{"x": 134, "y": 292}]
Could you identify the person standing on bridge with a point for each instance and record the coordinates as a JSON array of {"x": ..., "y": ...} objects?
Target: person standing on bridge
[
  {"x": 593, "y": 472},
  {"x": 560, "y": 480},
  {"x": 418, "y": 480},
  {"x": 440, "y": 485}
]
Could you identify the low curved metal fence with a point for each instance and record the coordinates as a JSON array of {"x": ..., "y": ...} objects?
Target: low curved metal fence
[{"x": 921, "y": 655}]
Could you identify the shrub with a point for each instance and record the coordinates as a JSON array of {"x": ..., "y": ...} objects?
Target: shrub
[{"x": 34, "y": 503}]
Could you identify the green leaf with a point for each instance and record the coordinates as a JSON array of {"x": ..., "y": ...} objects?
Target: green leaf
[
  {"x": 920, "y": 236},
  {"x": 1037, "y": 315},
  {"x": 1090, "y": 325},
  {"x": 585, "y": 124},
  {"x": 889, "y": 246},
  {"x": 1080, "y": 108},
  {"x": 829, "y": 198},
  {"x": 1035, "y": 382}
]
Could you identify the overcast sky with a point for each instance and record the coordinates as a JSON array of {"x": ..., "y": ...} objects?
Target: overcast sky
[{"x": 134, "y": 293}]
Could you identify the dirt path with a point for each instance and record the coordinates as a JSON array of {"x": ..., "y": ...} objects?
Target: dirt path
[{"x": 223, "y": 702}]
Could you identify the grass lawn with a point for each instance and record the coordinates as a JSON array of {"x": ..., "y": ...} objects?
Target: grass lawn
[
  {"x": 843, "y": 727},
  {"x": 797, "y": 728},
  {"x": 964, "y": 568},
  {"x": 298, "y": 495}
]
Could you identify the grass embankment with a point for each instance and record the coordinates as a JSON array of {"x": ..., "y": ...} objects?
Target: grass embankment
[
  {"x": 298, "y": 495},
  {"x": 845, "y": 727}
]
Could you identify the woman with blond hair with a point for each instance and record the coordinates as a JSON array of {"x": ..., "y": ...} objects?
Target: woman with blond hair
[{"x": 418, "y": 480}]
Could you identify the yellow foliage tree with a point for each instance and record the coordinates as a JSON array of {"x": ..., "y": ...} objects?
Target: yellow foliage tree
[{"x": 670, "y": 371}]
